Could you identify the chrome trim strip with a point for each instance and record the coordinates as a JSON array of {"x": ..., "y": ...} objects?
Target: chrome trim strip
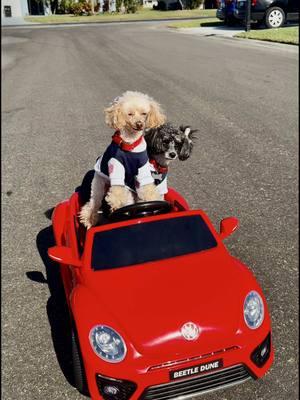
[{"x": 173, "y": 363}]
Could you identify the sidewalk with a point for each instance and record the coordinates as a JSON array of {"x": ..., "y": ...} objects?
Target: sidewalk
[
  {"x": 212, "y": 31},
  {"x": 13, "y": 21}
]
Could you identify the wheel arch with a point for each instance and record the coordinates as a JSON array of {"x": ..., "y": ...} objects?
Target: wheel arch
[{"x": 278, "y": 3}]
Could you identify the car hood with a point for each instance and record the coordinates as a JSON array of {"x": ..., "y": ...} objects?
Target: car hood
[{"x": 150, "y": 303}]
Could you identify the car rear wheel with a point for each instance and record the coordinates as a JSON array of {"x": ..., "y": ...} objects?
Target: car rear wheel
[
  {"x": 78, "y": 367},
  {"x": 275, "y": 17}
]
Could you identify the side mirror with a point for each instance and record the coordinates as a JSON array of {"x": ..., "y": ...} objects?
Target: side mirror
[
  {"x": 63, "y": 255},
  {"x": 228, "y": 226}
]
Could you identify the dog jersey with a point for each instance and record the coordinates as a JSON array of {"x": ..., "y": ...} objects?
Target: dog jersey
[{"x": 130, "y": 168}]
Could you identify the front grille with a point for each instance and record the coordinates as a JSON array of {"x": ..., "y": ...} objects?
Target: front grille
[{"x": 191, "y": 387}]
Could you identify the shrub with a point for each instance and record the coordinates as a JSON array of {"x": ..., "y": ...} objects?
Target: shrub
[
  {"x": 81, "y": 8},
  {"x": 192, "y": 4},
  {"x": 118, "y": 5},
  {"x": 65, "y": 7},
  {"x": 131, "y": 6}
]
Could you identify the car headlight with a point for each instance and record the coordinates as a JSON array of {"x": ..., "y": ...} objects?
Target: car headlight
[
  {"x": 253, "y": 310},
  {"x": 107, "y": 343}
]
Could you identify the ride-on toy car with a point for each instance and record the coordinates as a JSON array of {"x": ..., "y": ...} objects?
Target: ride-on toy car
[{"x": 159, "y": 308}]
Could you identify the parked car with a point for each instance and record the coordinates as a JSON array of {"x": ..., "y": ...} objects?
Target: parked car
[
  {"x": 225, "y": 11},
  {"x": 165, "y": 5},
  {"x": 159, "y": 309},
  {"x": 274, "y": 13}
]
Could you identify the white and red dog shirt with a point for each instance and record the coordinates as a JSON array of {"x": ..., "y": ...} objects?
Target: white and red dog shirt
[
  {"x": 128, "y": 164},
  {"x": 124, "y": 164}
]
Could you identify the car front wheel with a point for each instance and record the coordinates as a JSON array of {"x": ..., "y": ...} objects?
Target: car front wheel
[
  {"x": 78, "y": 367},
  {"x": 275, "y": 17}
]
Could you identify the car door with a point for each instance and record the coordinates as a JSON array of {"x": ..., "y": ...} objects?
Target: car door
[
  {"x": 293, "y": 7},
  {"x": 69, "y": 273}
]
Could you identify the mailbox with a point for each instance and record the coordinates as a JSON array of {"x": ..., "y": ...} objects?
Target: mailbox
[{"x": 7, "y": 11}]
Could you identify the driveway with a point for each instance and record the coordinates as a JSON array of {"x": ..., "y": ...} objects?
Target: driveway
[
  {"x": 225, "y": 31},
  {"x": 244, "y": 101}
]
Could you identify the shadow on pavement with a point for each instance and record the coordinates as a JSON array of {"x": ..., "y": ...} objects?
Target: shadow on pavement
[{"x": 57, "y": 309}]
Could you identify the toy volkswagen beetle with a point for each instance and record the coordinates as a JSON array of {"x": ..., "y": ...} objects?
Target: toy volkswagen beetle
[{"x": 159, "y": 308}]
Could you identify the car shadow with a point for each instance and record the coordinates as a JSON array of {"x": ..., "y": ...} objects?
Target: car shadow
[{"x": 57, "y": 309}]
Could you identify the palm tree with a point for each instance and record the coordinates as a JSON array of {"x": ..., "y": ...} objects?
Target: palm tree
[{"x": 92, "y": 7}]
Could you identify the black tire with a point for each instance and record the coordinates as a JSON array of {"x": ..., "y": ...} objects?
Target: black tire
[
  {"x": 78, "y": 367},
  {"x": 275, "y": 17}
]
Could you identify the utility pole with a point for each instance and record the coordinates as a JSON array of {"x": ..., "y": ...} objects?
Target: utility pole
[{"x": 248, "y": 16}]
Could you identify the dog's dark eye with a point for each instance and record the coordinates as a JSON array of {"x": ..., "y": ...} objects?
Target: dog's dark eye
[{"x": 144, "y": 113}]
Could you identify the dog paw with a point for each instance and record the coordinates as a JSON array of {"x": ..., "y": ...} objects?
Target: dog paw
[
  {"x": 88, "y": 217},
  {"x": 116, "y": 197},
  {"x": 94, "y": 219},
  {"x": 84, "y": 220},
  {"x": 113, "y": 203},
  {"x": 148, "y": 193}
]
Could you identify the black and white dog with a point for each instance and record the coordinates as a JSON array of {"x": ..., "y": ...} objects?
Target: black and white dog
[{"x": 165, "y": 144}]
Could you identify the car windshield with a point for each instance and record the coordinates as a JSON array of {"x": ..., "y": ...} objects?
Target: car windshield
[{"x": 151, "y": 241}]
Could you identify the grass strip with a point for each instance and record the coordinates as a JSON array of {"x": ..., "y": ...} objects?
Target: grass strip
[
  {"x": 143, "y": 14},
  {"x": 289, "y": 35}
]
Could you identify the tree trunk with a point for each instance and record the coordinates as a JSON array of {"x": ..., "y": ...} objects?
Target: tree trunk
[{"x": 181, "y": 3}]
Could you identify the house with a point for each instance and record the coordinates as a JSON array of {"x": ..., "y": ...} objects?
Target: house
[
  {"x": 22, "y": 8},
  {"x": 14, "y": 8}
]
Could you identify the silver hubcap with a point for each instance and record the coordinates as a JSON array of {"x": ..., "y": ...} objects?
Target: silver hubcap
[{"x": 275, "y": 18}]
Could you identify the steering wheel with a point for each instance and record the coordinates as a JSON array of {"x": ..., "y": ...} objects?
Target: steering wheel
[{"x": 142, "y": 209}]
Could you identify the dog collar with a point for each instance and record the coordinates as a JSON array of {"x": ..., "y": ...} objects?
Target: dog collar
[
  {"x": 159, "y": 168},
  {"x": 116, "y": 138}
]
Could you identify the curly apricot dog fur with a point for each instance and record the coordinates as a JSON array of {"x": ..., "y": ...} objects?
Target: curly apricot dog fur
[{"x": 122, "y": 173}]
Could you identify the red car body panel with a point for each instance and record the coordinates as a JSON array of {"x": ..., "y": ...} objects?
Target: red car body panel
[{"x": 148, "y": 304}]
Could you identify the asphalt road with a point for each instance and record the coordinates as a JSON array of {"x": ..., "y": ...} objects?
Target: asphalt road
[{"x": 243, "y": 98}]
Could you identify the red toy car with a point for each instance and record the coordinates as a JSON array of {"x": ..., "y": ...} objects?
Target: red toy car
[{"x": 159, "y": 308}]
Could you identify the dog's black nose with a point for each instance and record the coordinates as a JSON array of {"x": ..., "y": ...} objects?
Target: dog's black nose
[{"x": 172, "y": 155}]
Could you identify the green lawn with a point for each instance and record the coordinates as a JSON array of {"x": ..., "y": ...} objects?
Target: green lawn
[
  {"x": 196, "y": 23},
  {"x": 288, "y": 35},
  {"x": 142, "y": 14}
]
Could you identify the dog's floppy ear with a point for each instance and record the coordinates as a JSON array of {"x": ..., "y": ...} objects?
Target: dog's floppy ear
[
  {"x": 114, "y": 116},
  {"x": 187, "y": 142},
  {"x": 156, "y": 117},
  {"x": 188, "y": 132},
  {"x": 186, "y": 150},
  {"x": 153, "y": 140}
]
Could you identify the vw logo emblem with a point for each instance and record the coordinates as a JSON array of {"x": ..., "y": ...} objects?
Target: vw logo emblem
[{"x": 190, "y": 331}]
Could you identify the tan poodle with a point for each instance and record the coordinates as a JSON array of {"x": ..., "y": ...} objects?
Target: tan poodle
[{"x": 123, "y": 174}]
